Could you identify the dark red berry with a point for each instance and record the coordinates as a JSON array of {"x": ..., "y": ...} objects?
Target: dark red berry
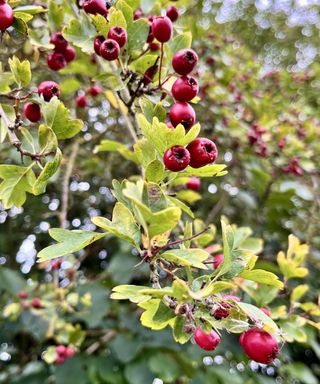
[
  {"x": 259, "y": 345},
  {"x": 56, "y": 61},
  {"x": 150, "y": 37},
  {"x": 59, "y": 42},
  {"x": 185, "y": 88},
  {"x": 206, "y": 341},
  {"x": 60, "y": 360},
  {"x": 81, "y": 101},
  {"x": 56, "y": 264},
  {"x": 95, "y": 6},
  {"x": 193, "y": 183},
  {"x": 36, "y": 303},
  {"x": 224, "y": 307},
  {"x": 97, "y": 44},
  {"x": 23, "y": 295},
  {"x": 184, "y": 61},
  {"x": 32, "y": 112},
  {"x": 176, "y": 158},
  {"x": 217, "y": 260},
  {"x": 182, "y": 113},
  {"x": 110, "y": 50},
  {"x": 94, "y": 90},
  {"x": 138, "y": 14},
  {"x": 119, "y": 34},
  {"x": 172, "y": 13},
  {"x": 69, "y": 54},
  {"x": 154, "y": 46},
  {"x": 202, "y": 151},
  {"x": 162, "y": 28},
  {"x": 6, "y": 15},
  {"x": 61, "y": 350},
  {"x": 48, "y": 89}
]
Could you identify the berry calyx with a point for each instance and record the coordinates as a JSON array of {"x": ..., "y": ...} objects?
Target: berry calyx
[
  {"x": 95, "y": 6},
  {"x": 176, "y": 158},
  {"x": 23, "y": 295},
  {"x": 184, "y": 61},
  {"x": 81, "y": 101},
  {"x": 193, "y": 183},
  {"x": 110, "y": 50},
  {"x": 206, "y": 341},
  {"x": 119, "y": 34},
  {"x": 69, "y": 54},
  {"x": 94, "y": 90},
  {"x": 202, "y": 151},
  {"x": 56, "y": 61},
  {"x": 172, "y": 13},
  {"x": 162, "y": 28},
  {"x": 185, "y": 88},
  {"x": 32, "y": 112},
  {"x": 182, "y": 113},
  {"x": 259, "y": 345},
  {"x": 6, "y": 15},
  {"x": 48, "y": 89},
  {"x": 97, "y": 44},
  {"x": 59, "y": 42}
]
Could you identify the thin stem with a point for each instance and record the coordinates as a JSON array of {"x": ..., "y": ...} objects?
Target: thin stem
[{"x": 160, "y": 68}]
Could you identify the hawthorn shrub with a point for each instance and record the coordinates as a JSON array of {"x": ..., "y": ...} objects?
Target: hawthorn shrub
[{"x": 136, "y": 155}]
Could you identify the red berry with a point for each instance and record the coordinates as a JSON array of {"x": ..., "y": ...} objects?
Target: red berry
[
  {"x": 193, "y": 183},
  {"x": 150, "y": 37},
  {"x": 61, "y": 350},
  {"x": 202, "y": 151},
  {"x": 97, "y": 44},
  {"x": 32, "y": 112},
  {"x": 70, "y": 352},
  {"x": 6, "y": 15},
  {"x": 206, "y": 341},
  {"x": 60, "y": 360},
  {"x": 23, "y": 295},
  {"x": 56, "y": 264},
  {"x": 172, "y": 13},
  {"x": 119, "y": 34},
  {"x": 217, "y": 260},
  {"x": 59, "y": 42},
  {"x": 182, "y": 113},
  {"x": 69, "y": 54},
  {"x": 149, "y": 74},
  {"x": 81, "y": 101},
  {"x": 154, "y": 46},
  {"x": 94, "y": 90},
  {"x": 184, "y": 61},
  {"x": 36, "y": 303},
  {"x": 259, "y": 345},
  {"x": 223, "y": 310},
  {"x": 138, "y": 14},
  {"x": 56, "y": 61},
  {"x": 110, "y": 50},
  {"x": 176, "y": 158},
  {"x": 95, "y": 6},
  {"x": 162, "y": 28},
  {"x": 265, "y": 311},
  {"x": 185, "y": 88},
  {"x": 48, "y": 89}
]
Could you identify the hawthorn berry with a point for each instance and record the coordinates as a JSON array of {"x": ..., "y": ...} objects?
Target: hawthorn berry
[
  {"x": 154, "y": 46},
  {"x": 172, "y": 13},
  {"x": 56, "y": 61},
  {"x": 59, "y": 42},
  {"x": 217, "y": 260},
  {"x": 202, "y": 151},
  {"x": 97, "y": 44},
  {"x": 184, "y": 61},
  {"x": 81, "y": 101},
  {"x": 23, "y": 295},
  {"x": 69, "y": 54},
  {"x": 149, "y": 74},
  {"x": 162, "y": 28},
  {"x": 94, "y": 90},
  {"x": 176, "y": 158},
  {"x": 259, "y": 345},
  {"x": 95, "y": 6},
  {"x": 56, "y": 264},
  {"x": 70, "y": 352},
  {"x": 185, "y": 88},
  {"x": 48, "y": 89},
  {"x": 223, "y": 310},
  {"x": 61, "y": 350},
  {"x": 36, "y": 303},
  {"x": 206, "y": 341},
  {"x": 138, "y": 14},
  {"x": 119, "y": 34},
  {"x": 110, "y": 50},
  {"x": 6, "y": 15},
  {"x": 60, "y": 360},
  {"x": 182, "y": 113},
  {"x": 32, "y": 112},
  {"x": 193, "y": 183}
]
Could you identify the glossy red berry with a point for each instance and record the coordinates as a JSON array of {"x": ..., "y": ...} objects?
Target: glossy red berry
[
  {"x": 184, "y": 61},
  {"x": 94, "y": 90},
  {"x": 70, "y": 352},
  {"x": 162, "y": 28},
  {"x": 60, "y": 360},
  {"x": 36, "y": 303},
  {"x": 206, "y": 341},
  {"x": 95, "y": 6},
  {"x": 59, "y": 42},
  {"x": 69, "y": 54},
  {"x": 81, "y": 101},
  {"x": 56, "y": 61},
  {"x": 32, "y": 112},
  {"x": 217, "y": 260},
  {"x": 56, "y": 264},
  {"x": 138, "y": 14},
  {"x": 185, "y": 88},
  {"x": 182, "y": 113},
  {"x": 97, "y": 44},
  {"x": 119, "y": 34},
  {"x": 6, "y": 15},
  {"x": 61, "y": 350},
  {"x": 193, "y": 183},
  {"x": 48, "y": 89},
  {"x": 259, "y": 345},
  {"x": 176, "y": 158},
  {"x": 202, "y": 151},
  {"x": 23, "y": 295},
  {"x": 172, "y": 13},
  {"x": 110, "y": 50}
]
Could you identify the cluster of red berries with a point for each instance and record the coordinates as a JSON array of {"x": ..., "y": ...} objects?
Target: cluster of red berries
[
  {"x": 109, "y": 48},
  {"x": 64, "y": 353},
  {"x": 293, "y": 167},
  {"x": 255, "y": 138},
  {"x": 35, "y": 303},
  {"x": 63, "y": 52},
  {"x": 6, "y": 15},
  {"x": 82, "y": 99}
]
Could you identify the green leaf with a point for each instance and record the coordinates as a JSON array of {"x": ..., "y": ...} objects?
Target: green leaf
[
  {"x": 141, "y": 65},
  {"x": 181, "y": 205},
  {"x": 209, "y": 170},
  {"x": 137, "y": 35},
  {"x": 68, "y": 242},
  {"x": 21, "y": 71},
  {"x": 11, "y": 281},
  {"x": 155, "y": 171},
  {"x": 293, "y": 329},
  {"x": 101, "y": 24},
  {"x": 30, "y": 9},
  {"x": 192, "y": 257},
  {"x": 23, "y": 16},
  {"x": 212, "y": 288},
  {"x": 145, "y": 153},
  {"x": 156, "y": 315},
  {"x": 17, "y": 181},
  {"x": 126, "y": 10},
  {"x": 129, "y": 292},
  {"x": 47, "y": 139},
  {"x": 115, "y": 146},
  {"x": 123, "y": 224},
  {"x": 55, "y": 15},
  {"x": 298, "y": 292},
  {"x": 56, "y": 116},
  {"x": 164, "y": 366},
  {"x": 300, "y": 372},
  {"x": 116, "y": 18},
  {"x": 179, "y": 42},
  {"x": 179, "y": 335},
  {"x": 256, "y": 314},
  {"x": 189, "y": 196},
  {"x": 262, "y": 277},
  {"x": 48, "y": 171},
  {"x": 9, "y": 111}
]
